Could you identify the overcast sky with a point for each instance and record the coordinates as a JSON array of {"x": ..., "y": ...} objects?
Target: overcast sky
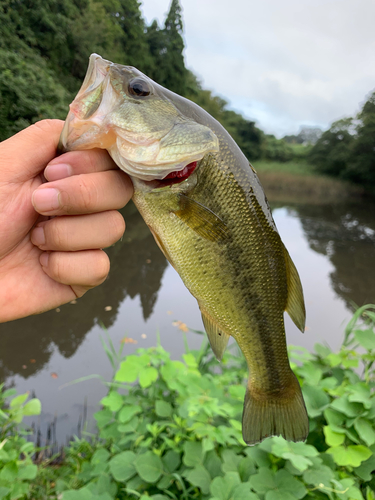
[{"x": 281, "y": 63}]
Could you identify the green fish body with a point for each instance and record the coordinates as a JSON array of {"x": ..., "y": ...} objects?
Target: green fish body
[{"x": 205, "y": 206}]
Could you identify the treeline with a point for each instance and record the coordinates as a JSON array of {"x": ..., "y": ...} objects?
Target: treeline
[
  {"x": 347, "y": 149},
  {"x": 44, "y": 50}
]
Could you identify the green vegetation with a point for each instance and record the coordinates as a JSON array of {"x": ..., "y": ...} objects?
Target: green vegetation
[
  {"x": 347, "y": 150},
  {"x": 44, "y": 51},
  {"x": 171, "y": 429}
]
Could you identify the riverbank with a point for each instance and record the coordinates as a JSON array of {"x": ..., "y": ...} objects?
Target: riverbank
[{"x": 296, "y": 181}]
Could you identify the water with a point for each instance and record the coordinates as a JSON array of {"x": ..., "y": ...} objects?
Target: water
[{"x": 333, "y": 247}]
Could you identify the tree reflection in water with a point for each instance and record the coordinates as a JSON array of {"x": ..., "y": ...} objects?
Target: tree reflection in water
[
  {"x": 137, "y": 268},
  {"x": 345, "y": 233}
]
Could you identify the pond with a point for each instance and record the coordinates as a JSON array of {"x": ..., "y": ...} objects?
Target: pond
[{"x": 333, "y": 247}]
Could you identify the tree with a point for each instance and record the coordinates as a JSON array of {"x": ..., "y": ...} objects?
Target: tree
[{"x": 332, "y": 153}]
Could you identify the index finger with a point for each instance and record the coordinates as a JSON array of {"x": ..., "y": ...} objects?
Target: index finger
[{"x": 79, "y": 162}]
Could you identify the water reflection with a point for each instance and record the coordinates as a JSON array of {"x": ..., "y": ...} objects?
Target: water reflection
[
  {"x": 333, "y": 247},
  {"x": 137, "y": 267},
  {"x": 346, "y": 235}
]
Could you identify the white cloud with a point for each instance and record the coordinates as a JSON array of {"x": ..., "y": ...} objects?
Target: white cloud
[{"x": 282, "y": 63}]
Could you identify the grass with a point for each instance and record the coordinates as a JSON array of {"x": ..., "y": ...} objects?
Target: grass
[{"x": 296, "y": 181}]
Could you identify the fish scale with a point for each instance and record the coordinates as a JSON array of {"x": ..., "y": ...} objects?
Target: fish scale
[{"x": 212, "y": 221}]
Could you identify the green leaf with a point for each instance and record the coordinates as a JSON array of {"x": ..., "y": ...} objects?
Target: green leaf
[
  {"x": 193, "y": 453},
  {"x": 365, "y": 431},
  {"x": 279, "y": 495},
  {"x": 128, "y": 370},
  {"x": 199, "y": 476},
  {"x": 365, "y": 470},
  {"x": 286, "y": 483},
  {"x": 360, "y": 393},
  {"x": 333, "y": 417},
  {"x": 147, "y": 376},
  {"x": 333, "y": 438},
  {"x": 351, "y": 455},
  {"x": 113, "y": 401},
  {"x": 100, "y": 456},
  {"x": 318, "y": 475},
  {"x": 243, "y": 492},
  {"x": 81, "y": 494},
  {"x": 231, "y": 461},
  {"x": 149, "y": 466},
  {"x": 171, "y": 460},
  {"x": 163, "y": 408},
  {"x": 311, "y": 373},
  {"x": 103, "y": 417},
  {"x": 32, "y": 407},
  {"x": 122, "y": 466},
  {"x": 296, "y": 453},
  {"x": 27, "y": 471},
  {"x": 128, "y": 412},
  {"x": 246, "y": 468},
  {"x": 9, "y": 472},
  {"x": 263, "y": 481},
  {"x": 344, "y": 406},
  {"x": 4, "y": 491},
  {"x": 18, "y": 400},
  {"x": 366, "y": 338},
  {"x": 316, "y": 400},
  {"x": 222, "y": 487}
]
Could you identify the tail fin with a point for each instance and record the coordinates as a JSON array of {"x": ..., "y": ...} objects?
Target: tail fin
[{"x": 275, "y": 415}]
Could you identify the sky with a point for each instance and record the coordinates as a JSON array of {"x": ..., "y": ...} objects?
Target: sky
[{"x": 284, "y": 64}]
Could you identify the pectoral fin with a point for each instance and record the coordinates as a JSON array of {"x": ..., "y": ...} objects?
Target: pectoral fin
[
  {"x": 295, "y": 306},
  {"x": 218, "y": 340},
  {"x": 202, "y": 220}
]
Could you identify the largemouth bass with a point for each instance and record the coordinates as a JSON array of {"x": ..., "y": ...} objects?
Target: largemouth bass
[{"x": 204, "y": 204}]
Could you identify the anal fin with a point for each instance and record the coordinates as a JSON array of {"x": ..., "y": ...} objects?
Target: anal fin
[
  {"x": 218, "y": 339},
  {"x": 295, "y": 306}
]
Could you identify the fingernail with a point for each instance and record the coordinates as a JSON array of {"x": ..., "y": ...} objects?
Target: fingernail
[
  {"x": 43, "y": 259},
  {"x": 58, "y": 171},
  {"x": 37, "y": 236},
  {"x": 46, "y": 200}
]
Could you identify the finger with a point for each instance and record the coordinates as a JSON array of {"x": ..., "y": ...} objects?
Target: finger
[
  {"x": 84, "y": 194},
  {"x": 80, "y": 232},
  {"x": 80, "y": 270},
  {"x": 79, "y": 162},
  {"x": 38, "y": 145}
]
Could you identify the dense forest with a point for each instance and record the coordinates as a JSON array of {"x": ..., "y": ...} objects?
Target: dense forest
[{"x": 44, "y": 50}]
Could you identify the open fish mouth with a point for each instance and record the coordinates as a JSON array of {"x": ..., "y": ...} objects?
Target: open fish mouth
[{"x": 120, "y": 109}]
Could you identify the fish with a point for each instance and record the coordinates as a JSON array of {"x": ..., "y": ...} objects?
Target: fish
[{"x": 204, "y": 204}]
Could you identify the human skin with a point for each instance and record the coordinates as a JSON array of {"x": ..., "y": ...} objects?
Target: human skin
[{"x": 52, "y": 233}]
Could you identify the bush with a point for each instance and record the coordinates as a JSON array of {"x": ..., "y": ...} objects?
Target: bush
[{"x": 171, "y": 429}]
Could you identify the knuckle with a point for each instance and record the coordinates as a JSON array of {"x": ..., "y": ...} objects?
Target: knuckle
[
  {"x": 102, "y": 267},
  {"x": 116, "y": 226},
  {"x": 57, "y": 267},
  {"x": 56, "y": 234}
]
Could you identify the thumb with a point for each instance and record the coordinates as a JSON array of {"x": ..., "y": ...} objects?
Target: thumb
[{"x": 27, "y": 153}]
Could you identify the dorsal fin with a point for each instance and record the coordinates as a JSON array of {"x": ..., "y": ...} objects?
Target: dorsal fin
[
  {"x": 218, "y": 339},
  {"x": 295, "y": 306}
]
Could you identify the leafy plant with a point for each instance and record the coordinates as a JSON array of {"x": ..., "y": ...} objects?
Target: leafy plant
[
  {"x": 171, "y": 429},
  {"x": 16, "y": 465}
]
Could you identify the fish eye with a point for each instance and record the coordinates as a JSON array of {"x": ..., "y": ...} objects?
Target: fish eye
[{"x": 139, "y": 87}]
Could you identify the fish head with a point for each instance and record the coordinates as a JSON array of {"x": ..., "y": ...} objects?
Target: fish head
[{"x": 120, "y": 109}]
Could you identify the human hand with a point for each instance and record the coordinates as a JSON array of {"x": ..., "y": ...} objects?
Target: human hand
[{"x": 47, "y": 262}]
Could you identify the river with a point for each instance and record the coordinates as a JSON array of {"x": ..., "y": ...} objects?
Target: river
[{"x": 332, "y": 245}]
